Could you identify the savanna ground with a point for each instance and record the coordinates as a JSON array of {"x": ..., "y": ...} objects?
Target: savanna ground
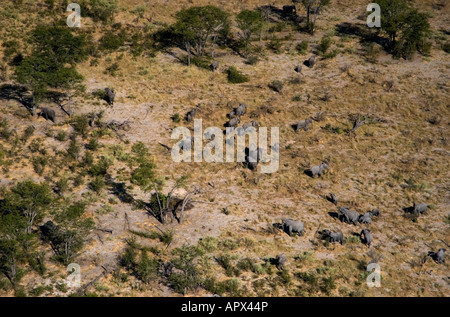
[{"x": 400, "y": 157}]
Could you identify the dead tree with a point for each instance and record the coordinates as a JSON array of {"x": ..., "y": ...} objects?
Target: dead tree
[{"x": 356, "y": 124}]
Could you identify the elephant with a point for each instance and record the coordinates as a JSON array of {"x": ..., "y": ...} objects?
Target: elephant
[
  {"x": 440, "y": 256},
  {"x": 304, "y": 124},
  {"x": 347, "y": 215},
  {"x": 334, "y": 236},
  {"x": 311, "y": 62},
  {"x": 250, "y": 124},
  {"x": 241, "y": 110},
  {"x": 109, "y": 96},
  {"x": 186, "y": 144},
  {"x": 366, "y": 237},
  {"x": 289, "y": 225},
  {"x": 366, "y": 218},
  {"x": 214, "y": 66},
  {"x": 318, "y": 170},
  {"x": 333, "y": 199},
  {"x": 298, "y": 69},
  {"x": 253, "y": 157},
  {"x": 419, "y": 208},
  {"x": 190, "y": 115},
  {"x": 233, "y": 122},
  {"x": 280, "y": 261},
  {"x": 375, "y": 212},
  {"x": 47, "y": 114}
]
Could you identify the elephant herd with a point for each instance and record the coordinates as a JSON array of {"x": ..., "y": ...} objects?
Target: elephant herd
[{"x": 345, "y": 215}]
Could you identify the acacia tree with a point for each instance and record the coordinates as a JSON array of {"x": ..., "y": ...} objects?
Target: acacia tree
[
  {"x": 52, "y": 62},
  {"x": 250, "y": 22},
  {"x": 68, "y": 236},
  {"x": 312, "y": 7},
  {"x": 197, "y": 26},
  {"x": 30, "y": 200},
  {"x": 405, "y": 27}
]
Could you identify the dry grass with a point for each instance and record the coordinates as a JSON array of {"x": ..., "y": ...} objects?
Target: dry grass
[{"x": 400, "y": 157}]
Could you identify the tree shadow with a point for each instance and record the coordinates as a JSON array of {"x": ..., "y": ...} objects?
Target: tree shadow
[
  {"x": 17, "y": 92},
  {"x": 366, "y": 35},
  {"x": 120, "y": 191}
]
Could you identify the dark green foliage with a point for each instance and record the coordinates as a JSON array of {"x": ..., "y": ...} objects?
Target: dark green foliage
[
  {"x": 406, "y": 27},
  {"x": 112, "y": 41},
  {"x": 176, "y": 118},
  {"x": 302, "y": 47},
  {"x": 189, "y": 278},
  {"x": 99, "y": 10},
  {"x": 68, "y": 236},
  {"x": 73, "y": 151},
  {"x": 54, "y": 48},
  {"x": 236, "y": 77},
  {"x": 198, "y": 26},
  {"x": 101, "y": 167},
  {"x": 28, "y": 199},
  {"x": 97, "y": 184},
  {"x": 250, "y": 23},
  {"x": 324, "y": 45},
  {"x": 92, "y": 145},
  {"x": 275, "y": 45},
  {"x": 28, "y": 133},
  {"x": 146, "y": 269},
  {"x": 80, "y": 124}
]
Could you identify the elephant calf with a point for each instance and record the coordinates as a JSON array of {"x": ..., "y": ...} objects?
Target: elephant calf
[
  {"x": 366, "y": 218},
  {"x": 109, "y": 96},
  {"x": 318, "y": 170},
  {"x": 348, "y": 216},
  {"x": 190, "y": 115},
  {"x": 290, "y": 226},
  {"x": 233, "y": 122},
  {"x": 47, "y": 114},
  {"x": 214, "y": 66},
  {"x": 375, "y": 212},
  {"x": 304, "y": 125},
  {"x": 440, "y": 256},
  {"x": 333, "y": 236},
  {"x": 333, "y": 199},
  {"x": 241, "y": 110},
  {"x": 311, "y": 62},
  {"x": 280, "y": 261},
  {"x": 366, "y": 237},
  {"x": 419, "y": 208}
]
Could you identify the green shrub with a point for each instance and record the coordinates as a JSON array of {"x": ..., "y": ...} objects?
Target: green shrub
[
  {"x": 236, "y": 77},
  {"x": 275, "y": 45},
  {"x": 97, "y": 184},
  {"x": 276, "y": 85},
  {"x": 61, "y": 136},
  {"x": 324, "y": 45},
  {"x": 112, "y": 41},
  {"x": 252, "y": 60},
  {"x": 92, "y": 145},
  {"x": 302, "y": 47},
  {"x": 80, "y": 124},
  {"x": 176, "y": 118}
]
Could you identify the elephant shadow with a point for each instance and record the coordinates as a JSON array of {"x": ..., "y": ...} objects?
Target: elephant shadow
[
  {"x": 333, "y": 214},
  {"x": 309, "y": 173},
  {"x": 408, "y": 210}
]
